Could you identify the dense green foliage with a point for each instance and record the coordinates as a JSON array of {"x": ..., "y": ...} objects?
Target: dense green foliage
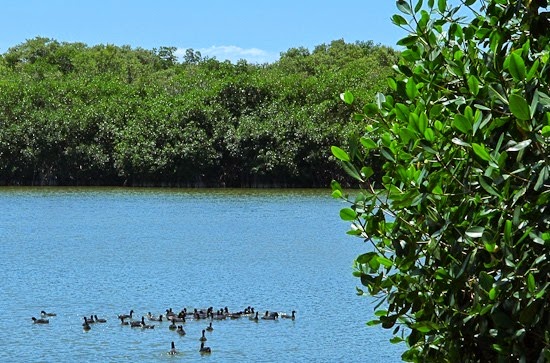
[
  {"x": 459, "y": 224},
  {"x": 107, "y": 115}
]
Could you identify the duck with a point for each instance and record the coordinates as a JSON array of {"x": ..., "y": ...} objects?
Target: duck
[
  {"x": 205, "y": 350},
  {"x": 43, "y": 313},
  {"x": 40, "y": 321},
  {"x": 173, "y": 326},
  {"x": 234, "y": 315},
  {"x": 209, "y": 327},
  {"x": 292, "y": 316},
  {"x": 254, "y": 318},
  {"x": 219, "y": 315},
  {"x": 86, "y": 321},
  {"x": 170, "y": 313},
  {"x": 176, "y": 319},
  {"x": 248, "y": 311},
  {"x": 180, "y": 330},
  {"x": 126, "y": 316},
  {"x": 173, "y": 350},
  {"x": 199, "y": 314},
  {"x": 146, "y": 326},
  {"x": 154, "y": 318},
  {"x": 203, "y": 338},
  {"x": 86, "y": 326},
  {"x": 98, "y": 320},
  {"x": 272, "y": 316}
]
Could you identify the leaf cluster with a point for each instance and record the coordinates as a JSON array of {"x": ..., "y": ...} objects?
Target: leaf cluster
[
  {"x": 71, "y": 114},
  {"x": 459, "y": 224}
]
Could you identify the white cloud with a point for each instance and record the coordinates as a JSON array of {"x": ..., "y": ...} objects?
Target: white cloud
[{"x": 233, "y": 54}]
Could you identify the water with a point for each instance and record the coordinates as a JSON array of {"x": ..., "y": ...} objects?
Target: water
[{"x": 78, "y": 252}]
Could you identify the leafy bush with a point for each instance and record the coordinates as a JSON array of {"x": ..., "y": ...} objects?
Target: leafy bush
[{"x": 459, "y": 225}]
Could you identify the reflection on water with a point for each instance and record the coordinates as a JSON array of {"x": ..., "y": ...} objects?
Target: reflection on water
[{"x": 105, "y": 251}]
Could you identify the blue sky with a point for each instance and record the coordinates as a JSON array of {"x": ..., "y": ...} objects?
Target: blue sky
[{"x": 256, "y": 30}]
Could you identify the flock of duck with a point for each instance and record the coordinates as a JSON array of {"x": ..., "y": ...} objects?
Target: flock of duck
[{"x": 177, "y": 320}]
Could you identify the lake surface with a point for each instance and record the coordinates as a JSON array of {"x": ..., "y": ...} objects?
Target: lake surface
[{"x": 78, "y": 252}]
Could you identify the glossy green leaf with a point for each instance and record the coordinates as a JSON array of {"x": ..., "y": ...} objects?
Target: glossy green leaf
[
  {"x": 543, "y": 176},
  {"x": 398, "y": 20},
  {"x": 519, "y": 146},
  {"x": 463, "y": 124},
  {"x": 442, "y": 5},
  {"x": 339, "y": 153},
  {"x": 351, "y": 170},
  {"x": 457, "y": 141},
  {"x": 347, "y": 97},
  {"x": 533, "y": 70},
  {"x": 516, "y": 65},
  {"x": 475, "y": 232},
  {"x": 368, "y": 143},
  {"x": 366, "y": 172},
  {"x": 348, "y": 214},
  {"x": 429, "y": 135},
  {"x": 411, "y": 89},
  {"x": 370, "y": 109},
  {"x": 508, "y": 231},
  {"x": 485, "y": 183},
  {"x": 384, "y": 261},
  {"x": 404, "y": 7},
  {"x": 373, "y": 322},
  {"x": 425, "y": 326},
  {"x": 519, "y": 107},
  {"x": 396, "y": 340},
  {"x": 531, "y": 285},
  {"x": 486, "y": 281},
  {"x": 473, "y": 84},
  {"x": 480, "y": 151}
]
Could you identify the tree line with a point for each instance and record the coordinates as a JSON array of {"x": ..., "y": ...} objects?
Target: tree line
[{"x": 73, "y": 114}]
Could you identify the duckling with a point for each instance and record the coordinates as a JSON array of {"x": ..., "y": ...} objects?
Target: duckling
[
  {"x": 98, "y": 320},
  {"x": 209, "y": 327},
  {"x": 180, "y": 330},
  {"x": 292, "y": 316},
  {"x": 205, "y": 350},
  {"x": 203, "y": 338},
  {"x": 173, "y": 350},
  {"x": 125, "y": 316},
  {"x": 43, "y": 313},
  {"x": 40, "y": 321}
]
